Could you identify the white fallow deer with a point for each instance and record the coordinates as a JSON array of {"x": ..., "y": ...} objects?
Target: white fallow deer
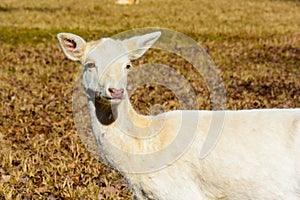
[
  {"x": 127, "y": 2},
  {"x": 256, "y": 157}
]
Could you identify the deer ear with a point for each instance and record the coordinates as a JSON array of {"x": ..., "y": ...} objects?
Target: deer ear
[
  {"x": 138, "y": 45},
  {"x": 72, "y": 45}
]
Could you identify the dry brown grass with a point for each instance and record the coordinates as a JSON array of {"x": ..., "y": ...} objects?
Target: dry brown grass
[
  {"x": 254, "y": 43},
  {"x": 191, "y": 16}
]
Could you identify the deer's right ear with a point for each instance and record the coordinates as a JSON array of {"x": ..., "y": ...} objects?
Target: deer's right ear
[{"x": 72, "y": 45}]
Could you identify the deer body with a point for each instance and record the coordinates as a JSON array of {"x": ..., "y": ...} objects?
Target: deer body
[
  {"x": 256, "y": 157},
  {"x": 127, "y": 2}
]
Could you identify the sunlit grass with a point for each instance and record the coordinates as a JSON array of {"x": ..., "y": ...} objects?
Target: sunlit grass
[{"x": 191, "y": 16}]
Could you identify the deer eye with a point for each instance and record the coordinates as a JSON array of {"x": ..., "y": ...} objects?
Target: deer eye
[
  {"x": 128, "y": 66},
  {"x": 90, "y": 65}
]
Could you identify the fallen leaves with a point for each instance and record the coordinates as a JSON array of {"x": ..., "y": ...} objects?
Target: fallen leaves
[{"x": 5, "y": 178}]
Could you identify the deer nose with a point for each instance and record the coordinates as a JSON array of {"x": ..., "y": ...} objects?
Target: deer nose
[{"x": 116, "y": 93}]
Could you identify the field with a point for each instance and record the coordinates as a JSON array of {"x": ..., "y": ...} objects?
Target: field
[{"x": 255, "y": 44}]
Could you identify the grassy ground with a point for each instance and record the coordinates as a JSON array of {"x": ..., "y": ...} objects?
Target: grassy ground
[{"x": 255, "y": 44}]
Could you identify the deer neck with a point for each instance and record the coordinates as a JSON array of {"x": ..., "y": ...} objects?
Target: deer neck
[
  {"x": 105, "y": 115},
  {"x": 117, "y": 123}
]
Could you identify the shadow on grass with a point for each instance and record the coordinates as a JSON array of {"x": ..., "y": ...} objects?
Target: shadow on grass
[{"x": 37, "y": 9}]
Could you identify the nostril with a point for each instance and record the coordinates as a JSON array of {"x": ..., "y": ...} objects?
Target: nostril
[{"x": 111, "y": 90}]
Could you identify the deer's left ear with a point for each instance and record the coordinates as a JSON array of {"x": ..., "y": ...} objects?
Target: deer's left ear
[
  {"x": 138, "y": 45},
  {"x": 72, "y": 45}
]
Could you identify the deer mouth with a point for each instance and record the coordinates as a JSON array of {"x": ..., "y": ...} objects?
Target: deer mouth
[
  {"x": 113, "y": 98},
  {"x": 108, "y": 99}
]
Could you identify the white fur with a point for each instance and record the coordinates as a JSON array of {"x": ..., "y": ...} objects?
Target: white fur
[{"x": 256, "y": 157}]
